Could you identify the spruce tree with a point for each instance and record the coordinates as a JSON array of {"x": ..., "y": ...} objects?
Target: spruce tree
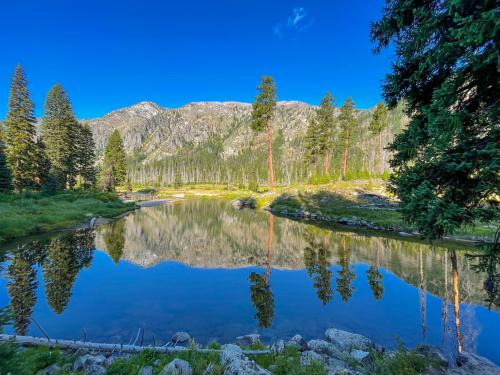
[
  {"x": 312, "y": 142},
  {"x": 378, "y": 123},
  {"x": 42, "y": 166},
  {"x": 262, "y": 113},
  {"x": 114, "y": 166},
  {"x": 447, "y": 160},
  {"x": 347, "y": 122},
  {"x": 5, "y": 178},
  {"x": 59, "y": 132},
  {"x": 20, "y": 133},
  {"x": 85, "y": 156}
]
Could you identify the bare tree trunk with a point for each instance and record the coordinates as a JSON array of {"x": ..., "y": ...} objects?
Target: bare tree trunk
[
  {"x": 345, "y": 160},
  {"x": 327, "y": 164},
  {"x": 270, "y": 156}
]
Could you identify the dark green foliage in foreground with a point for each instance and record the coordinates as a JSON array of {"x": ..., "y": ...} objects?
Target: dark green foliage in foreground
[
  {"x": 20, "y": 133},
  {"x": 5, "y": 177},
  {"x": 31, "y": 213},
  {"x": 447, "y": 160},
  {"x": 114, "y": 166},
  {"x": 288, "y": 363},
  {"x": 403, "y": 362}
]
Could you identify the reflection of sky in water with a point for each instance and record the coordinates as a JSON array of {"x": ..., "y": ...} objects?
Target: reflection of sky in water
[{"x": 111, "y": 301}]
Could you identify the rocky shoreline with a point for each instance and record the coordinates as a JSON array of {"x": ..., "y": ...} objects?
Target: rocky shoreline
[{"x": 339, "y": 352}]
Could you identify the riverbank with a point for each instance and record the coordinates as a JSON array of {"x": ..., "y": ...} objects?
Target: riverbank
[
  {"x": 28, "y": 214},
  {"x": 364, "y": 204},
  {"x": 339, "y": 352}
]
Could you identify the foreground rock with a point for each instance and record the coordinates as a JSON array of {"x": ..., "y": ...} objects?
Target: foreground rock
[
  {"x": 347, "y": 340},
  {"x": 236, "y": 363},
  {"x": 180, "y": 338},
  {"x": 472, "y": 364},
  {"x": 240, "y": 203},
  {"x": 248, "y": 340},
  {"x": 177, "y": 367}
]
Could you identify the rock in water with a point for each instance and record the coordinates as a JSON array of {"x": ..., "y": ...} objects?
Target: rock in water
[
  {"x": 177, "y": 367},
  {"x": 346, "y": 340},
  {"x": 180, "y": 337},
  {"x": 248, "y": 340},
  {"x": 235, "y": 363},
  {"x": 472, "y": 364}
]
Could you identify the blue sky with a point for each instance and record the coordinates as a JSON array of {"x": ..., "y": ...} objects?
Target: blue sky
[{"x": 111, "y": 54}]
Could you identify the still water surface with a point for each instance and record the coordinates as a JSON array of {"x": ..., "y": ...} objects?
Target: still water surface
[{"x": 202, "y": 267}]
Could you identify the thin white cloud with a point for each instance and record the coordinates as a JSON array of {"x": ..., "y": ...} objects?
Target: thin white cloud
[{"x": 298, "y": 21}]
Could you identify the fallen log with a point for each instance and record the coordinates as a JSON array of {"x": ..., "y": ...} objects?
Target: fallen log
[{"x": 105, "y": 347}]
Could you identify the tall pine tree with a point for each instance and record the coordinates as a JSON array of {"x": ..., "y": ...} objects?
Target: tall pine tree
[
  {"x": 447, "y": 161},
  {"x": 347, "y": 122},
  {"x": 262, "y": 113},
  {"x": 85, "y": 158},
  {"x": 378, "y": 123},
  {"x": 114, "y": 166},
  {"x": 20, "y": 134},
  {"x": 5, "y": 179},
  {"x": 59, "y": 133}
]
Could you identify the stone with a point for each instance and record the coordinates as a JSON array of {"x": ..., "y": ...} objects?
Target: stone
[
  {"x": 472, "y": 364},
  {"x": 338, "y": 367},
  {"x": 157, "y": 363},
  {"x": 177, "y": 367},
  {"x": 180, "y": 337},
  {"x": 359, "y": 355},
  {"x": 433, "y": 354},
  {"x": 247, "y": 340},
  {"x": 95, "y": 370},
  {"x": 51, "y": 370},
  {"x": 347, "y": 340},
  {"x": 146, "y": 370},
  {"x": 299, "y": 342},
  {"x": 323, "y": 347},
  {"x": 235, "y": 363},
  {"x": 240, "y": 203},
  {"x": 308, "y": 356},
  {"x": 278, "y": 347}
]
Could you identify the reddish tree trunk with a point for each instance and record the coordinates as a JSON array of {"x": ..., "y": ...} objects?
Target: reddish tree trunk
[
  {"x": 327, "y": 164},
  {"x": 345, "y": 161}
]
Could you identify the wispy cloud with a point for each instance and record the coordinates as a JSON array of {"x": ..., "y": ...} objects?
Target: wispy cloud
[{"x": 298, "y": 21}]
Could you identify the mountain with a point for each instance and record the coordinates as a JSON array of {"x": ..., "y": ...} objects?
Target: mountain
[{"x": 212, "y": 141}]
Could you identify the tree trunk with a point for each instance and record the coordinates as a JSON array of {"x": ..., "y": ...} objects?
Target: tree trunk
[
  {"x": 327, "y": 164},
  {"x": 345, "y": 160},
  {"x": 270, "y": 157}
]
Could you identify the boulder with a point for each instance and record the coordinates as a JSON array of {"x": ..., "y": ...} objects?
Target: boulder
[
  {"x": 177, "y": 367},
  {"x": 235, "y": 363},
  {"x": 146, "y": 370},
  {"x": 338, "y": 367},
  {"x": 359, "y": 355},
  {"x": 308, "y": 356},
  {"x": 278, "y": 347},
  {"x": 298, "y": 342},
  {"x": 432, "y": 353},
  {"x": 346, "y": 340},
  {"x": 323, "y": 347},
  {"x": 95, "y": 370},
  {"x": 472, "y": 364},
  {"x": 180, "y": 337},
  {"x": 247, "y": 340},
  {"x": 84, "y": 362},
  {"x": 240, "y": 203},
  {"x": 51, "y": 370}
]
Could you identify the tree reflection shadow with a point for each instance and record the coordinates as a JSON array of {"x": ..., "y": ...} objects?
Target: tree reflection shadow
[
  {"x": 114, "y": 238},
  {"x": 61, "y": 259},
  {"x": 346, "y": 276}
]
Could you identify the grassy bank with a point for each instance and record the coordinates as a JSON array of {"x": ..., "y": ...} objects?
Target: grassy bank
[
  {"x": 33, "y": 213},
  {"x": 366, "y": 200}
]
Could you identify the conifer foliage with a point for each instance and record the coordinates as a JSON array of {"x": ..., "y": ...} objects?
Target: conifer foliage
[
  {"x": 5, "y": 180},
  {"x": 20, "y": 134},
  {"x": 378, "y": 123},
  {"x": 347, "y": 121},
  {"x": 114, "y": 166},
  {"x": 262, "y": 113},
  {"x": 447, "y": 161}
]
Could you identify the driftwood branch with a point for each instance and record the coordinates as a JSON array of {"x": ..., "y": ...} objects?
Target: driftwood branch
[{"x": 102, "y": 347}]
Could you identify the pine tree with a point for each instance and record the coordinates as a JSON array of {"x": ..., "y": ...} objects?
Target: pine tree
[
  {"x": 5, "y": 178},
  {"x": 262, "y": 113},
  {"x": 114, "y": 166},
  {"x": 42, "y": 166},
  {"x": 20, "y": 132},
  {"x": 378, "y": 123},
  {"x": 85, "y": 157},
  {"x": 347, "y": 122},
  {"x": 59, "y": 132},
  {"x": 447, "y": 160},
  {"x": 319, "y": 135}
]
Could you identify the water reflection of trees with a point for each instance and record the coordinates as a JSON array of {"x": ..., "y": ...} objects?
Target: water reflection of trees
[
  {"x": 375, "y": 277},
  {"x": 346, "y": 276},
  {"x": 61, "y": 259},
  {"x": 114, "y": 237},
  {"x": 317, "y": 262},
  {"x": 260, "y": 288}
]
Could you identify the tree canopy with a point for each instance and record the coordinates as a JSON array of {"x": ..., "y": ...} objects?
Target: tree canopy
[{"x": 447, "y": 161}]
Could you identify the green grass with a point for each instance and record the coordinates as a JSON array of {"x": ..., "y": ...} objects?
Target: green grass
[
  {"x": 33, "y": 213},
  {"x": 402, "y": 362}
]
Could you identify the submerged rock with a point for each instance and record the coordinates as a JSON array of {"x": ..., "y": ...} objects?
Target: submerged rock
[
  {"x": 346, "y": 340},
  {"x": 236, "y": 363},
  {"x": 248, "y": 340},
  {"x": 177, "y": 367}
]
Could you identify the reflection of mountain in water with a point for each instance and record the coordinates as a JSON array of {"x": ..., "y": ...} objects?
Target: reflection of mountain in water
[{"x": 203, "y": 233}]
